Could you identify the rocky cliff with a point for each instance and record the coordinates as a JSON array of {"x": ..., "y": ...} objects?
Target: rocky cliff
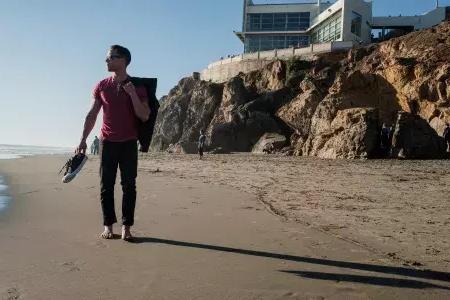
[{"x": 332, "y": 106}]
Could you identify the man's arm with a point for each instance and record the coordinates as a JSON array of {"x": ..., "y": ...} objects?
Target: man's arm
[
  {"x": 141, "y": 108},
  {"x": 89, "y": 124}
]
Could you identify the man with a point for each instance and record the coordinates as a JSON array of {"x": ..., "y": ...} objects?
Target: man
[
  {"x": 96, "y": 145},
  {"x": 385, "y": 138},
  {"x": 92, "y": 147},
  {"x": 446, "y": 136},
  {"x": 201, "y": 143},
  {"x": 123, "y": 104}
]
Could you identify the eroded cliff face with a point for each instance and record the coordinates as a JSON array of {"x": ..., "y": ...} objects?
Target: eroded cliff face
[{"x": 330, "y": 107}]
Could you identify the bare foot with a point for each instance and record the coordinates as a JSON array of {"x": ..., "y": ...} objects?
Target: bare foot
[
  {"x": 126, "y": 233},
  {"x": 107, "y": 234}
]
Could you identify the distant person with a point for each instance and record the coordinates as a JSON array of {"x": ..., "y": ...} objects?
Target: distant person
[
  {"x": 446, "y": 136},
  {"x": 386, "y": 139},
  {"x": 123, "y": 106},
  {"x": 92, "y": 147},
  {"x": 201, "y": 143},
  {"x": 96, "y": 145}
]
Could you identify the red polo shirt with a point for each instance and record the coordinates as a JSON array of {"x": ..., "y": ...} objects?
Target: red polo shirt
[{"x": 119, "y": 120}]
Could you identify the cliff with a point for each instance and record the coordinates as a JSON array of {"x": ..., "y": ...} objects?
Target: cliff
[{"x": 332, "y": 106}]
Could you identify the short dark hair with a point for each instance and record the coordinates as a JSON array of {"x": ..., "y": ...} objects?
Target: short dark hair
[{"x": 122, "y": 51}]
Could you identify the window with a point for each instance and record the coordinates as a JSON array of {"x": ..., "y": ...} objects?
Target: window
[
  {"x": 266, "y": 43},
  {"x": 278, "y": 21},
  {"x": 279, "y": 42},
  {"x": 329, "y": 30},
  {"x": 254, "y": 22},
  {"x": 356, "y": 23},
  {"x": 267, "y": 22},
  {"x": 270, "y": 42}
]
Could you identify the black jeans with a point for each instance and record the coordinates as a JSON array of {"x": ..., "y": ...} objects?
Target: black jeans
[{"x": 122, "y": 155}]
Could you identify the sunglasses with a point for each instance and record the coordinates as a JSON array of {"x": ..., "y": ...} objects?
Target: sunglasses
[{"x": 113, "y": 57}]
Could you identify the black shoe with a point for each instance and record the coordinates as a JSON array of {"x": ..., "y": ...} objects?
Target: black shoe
[{"x": 73, "y": 166}]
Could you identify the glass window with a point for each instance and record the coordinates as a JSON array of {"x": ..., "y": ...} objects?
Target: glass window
[
  {"x": 328, "y": 31},
  {"x": 266, "y": 43},
  {"x": 251, "y": 44},
  {"x": 279, "y": 42},
  {"x": 271, "y": 42},
  {"x": 279, "y": 22},
  {"x": 253, "y": 22},
  {"x": 356, "y": 23},
  {"x": 267, "y": 22}
]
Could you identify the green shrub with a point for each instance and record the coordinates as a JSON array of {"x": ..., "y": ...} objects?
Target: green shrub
[{"x": 296, "y": 70}]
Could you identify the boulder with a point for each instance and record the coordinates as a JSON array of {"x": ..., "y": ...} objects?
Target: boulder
[
  {"x": 414, "y": 138},
  {"x": 352, "y": 134},
  {"x": 188, "y": 108},
  {"x": 182, "y": 148},
  {"x": 241, "y": 134},
  {"x": 270, "y": 143},
  {"x": 297, "y": 113}
]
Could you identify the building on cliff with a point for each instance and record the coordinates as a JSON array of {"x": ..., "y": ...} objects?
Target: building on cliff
[{"x": 279, "y": 26}]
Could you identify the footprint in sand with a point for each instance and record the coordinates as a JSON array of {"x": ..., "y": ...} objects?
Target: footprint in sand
[
  {"x": 100, "y": 244},
  {"x": 30, "y": 192},
  {"x": 70, "y": 266},
  {"x": 12, "y": 294}
]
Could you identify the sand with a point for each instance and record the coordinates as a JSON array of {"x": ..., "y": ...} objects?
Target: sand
[{"x": 231, "y": 227}]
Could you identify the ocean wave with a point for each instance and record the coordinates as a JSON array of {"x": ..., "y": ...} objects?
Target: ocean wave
[{"x": 17, "y": 151}]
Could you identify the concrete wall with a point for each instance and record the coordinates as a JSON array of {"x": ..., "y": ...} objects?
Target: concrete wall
[
  {"x": 222, "y": 73},
  {"x": 427, "y": 20},
  {"x": 365, "y": 10},
  {"x": 346, "y": 7},
  {"x": 335, "y": 7},
  {"x": 225, "y": 69}
]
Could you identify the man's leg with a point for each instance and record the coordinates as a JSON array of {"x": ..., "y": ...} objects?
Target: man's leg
[
  {"x": 109, "y": 160},
  {"x": 128, "y": 172}
]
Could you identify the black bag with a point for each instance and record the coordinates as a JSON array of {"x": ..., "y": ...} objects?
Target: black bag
[{"x": 145, "y": 129}]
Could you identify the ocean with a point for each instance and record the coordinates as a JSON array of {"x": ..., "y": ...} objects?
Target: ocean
[{"x": 18, "y": 151}]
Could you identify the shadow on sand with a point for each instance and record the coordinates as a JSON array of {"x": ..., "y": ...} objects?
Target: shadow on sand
[{"x": 382, "y": 281}]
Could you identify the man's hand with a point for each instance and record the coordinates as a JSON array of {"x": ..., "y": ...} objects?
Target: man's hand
[
  {"x": 130, "y": 89},
  {"x": 141, "y": 109},
  {"x": 81, "y": 148}
]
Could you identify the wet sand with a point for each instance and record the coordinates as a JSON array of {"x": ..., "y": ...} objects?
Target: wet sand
[{"x": 230, "y": 227}]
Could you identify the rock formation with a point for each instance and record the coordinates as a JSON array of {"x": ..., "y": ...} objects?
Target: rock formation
[{"x": 331, "y": 106}]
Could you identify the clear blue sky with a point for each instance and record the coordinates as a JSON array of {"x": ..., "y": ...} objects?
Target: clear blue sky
[{"x": 52, "y": 53}]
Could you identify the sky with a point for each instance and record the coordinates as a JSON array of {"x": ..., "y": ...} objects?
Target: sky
[{"x": 52, "y": 53}]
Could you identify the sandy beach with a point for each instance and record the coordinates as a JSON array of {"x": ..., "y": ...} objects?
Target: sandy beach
[{"x": 231, "y": 227}]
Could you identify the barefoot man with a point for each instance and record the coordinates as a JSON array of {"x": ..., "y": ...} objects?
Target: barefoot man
[{"x": 123, "y": 104}]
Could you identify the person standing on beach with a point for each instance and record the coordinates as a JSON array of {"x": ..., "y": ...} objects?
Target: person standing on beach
[
  {"x": 201, "y": 143},
  {"x": 385, "y": 140},
  {"x": 446, "y": 136},
  {"x": 123, "y": 104},
  {"x": 96, "y": 145}
]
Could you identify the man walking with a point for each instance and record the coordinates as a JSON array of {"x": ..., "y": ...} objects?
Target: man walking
[
  {"x": 123, "y": 104},
  {"x": 446, "y": 136},
  {"x": 201, "y": 143},
  {"x": 96, "y": 145}
]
